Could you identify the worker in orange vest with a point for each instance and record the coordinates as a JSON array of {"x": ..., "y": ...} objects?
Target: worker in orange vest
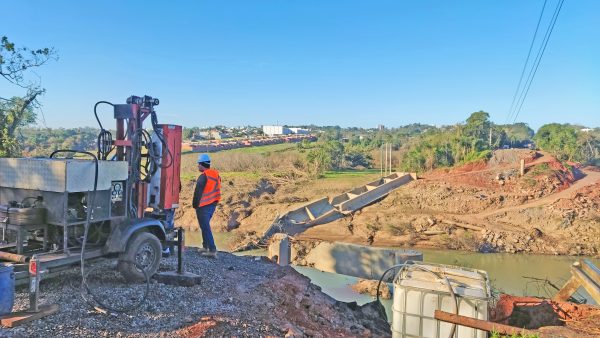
[{"x": 206, "y": 197}]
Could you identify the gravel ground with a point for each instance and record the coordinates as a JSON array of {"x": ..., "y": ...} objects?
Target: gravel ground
[{"x": 242, "y": 296}]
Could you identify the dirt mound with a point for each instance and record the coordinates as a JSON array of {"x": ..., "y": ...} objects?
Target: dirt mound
[
  {"x": 240, "y": 197},
  {"x": 584, "y": 203},
  {"x": 511, "y": 157},
  {"x": 533, "y": 313}
]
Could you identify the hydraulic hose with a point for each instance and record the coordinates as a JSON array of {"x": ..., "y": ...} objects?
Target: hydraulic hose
[
  {"x": 84, "y": 289},
  {"x": 104, "y": 142}
]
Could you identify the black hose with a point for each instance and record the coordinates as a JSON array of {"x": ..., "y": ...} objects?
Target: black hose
[
  {"x": 158, "y": 132},
  {"x": 28, "y": 198},
  {"x": 84, "y": 286},
  {"x": 95, "y": 302},
  {"x": 104, "y": 142},
  {"x": 96, "y": 114}
]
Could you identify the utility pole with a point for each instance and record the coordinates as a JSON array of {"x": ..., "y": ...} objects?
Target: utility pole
[
  {"x": 386, "y": 159},
  {"x": 390, "y": 158},
  {"x": 381, "y": 159}
]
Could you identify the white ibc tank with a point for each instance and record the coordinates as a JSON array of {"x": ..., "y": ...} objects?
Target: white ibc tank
[{"x": 420, "y": 289}]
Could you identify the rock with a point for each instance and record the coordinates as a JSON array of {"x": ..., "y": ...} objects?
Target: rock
[
  {"x": 536, "y": 233},
  {"x": 365, "y": 286},
  {"x": 292, "y": 330}
]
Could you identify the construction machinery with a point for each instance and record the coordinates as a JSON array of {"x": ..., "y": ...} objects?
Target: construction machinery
[{"x": 118, "y": 202}]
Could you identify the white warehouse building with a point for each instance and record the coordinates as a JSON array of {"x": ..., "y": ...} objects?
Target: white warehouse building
[
  {"x": 281, "y": 130},
  {"x": 276, "y": 130}
]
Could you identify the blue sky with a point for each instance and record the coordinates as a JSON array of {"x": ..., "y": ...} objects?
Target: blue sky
[{"x": 347, "y": 63}]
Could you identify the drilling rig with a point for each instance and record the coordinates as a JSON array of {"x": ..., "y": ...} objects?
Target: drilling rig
[{"x": 118, "y": 202}]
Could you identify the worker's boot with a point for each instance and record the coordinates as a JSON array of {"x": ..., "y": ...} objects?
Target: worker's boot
[
  {"x": 211, "y": 254},
  {"x": 202, "y": 250}
]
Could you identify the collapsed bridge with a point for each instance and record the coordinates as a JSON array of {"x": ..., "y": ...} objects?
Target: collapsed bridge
[{"x": 327, "y": 209}]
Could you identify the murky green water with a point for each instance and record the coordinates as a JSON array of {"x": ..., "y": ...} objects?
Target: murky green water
[{"x": 507, "y": 272}]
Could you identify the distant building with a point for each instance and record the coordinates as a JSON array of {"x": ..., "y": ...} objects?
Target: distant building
[
  {"x": 586, "y": 130},
  {"x": 281, "y": 130},
  {"x": 276, "y": 130},
  {"x": 300, "y": 131},
  {"x": 381, "y": 127},
  {"x": 217, "y": 135},
  {"x": 213, "y": 135}
]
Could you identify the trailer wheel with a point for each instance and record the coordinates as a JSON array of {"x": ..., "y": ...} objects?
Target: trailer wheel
[{"x": 145, "y": 250}]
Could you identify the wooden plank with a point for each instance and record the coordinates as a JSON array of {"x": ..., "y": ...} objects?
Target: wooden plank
[
  {"x": 433, "y": 232},
  {"x": 592, "y": 288},
  {"x": 18, "y": 318},
  {"x": 567, "y": 290},
  {"x": 465, "y": 226},
  {"x": 480, "y": 324}
]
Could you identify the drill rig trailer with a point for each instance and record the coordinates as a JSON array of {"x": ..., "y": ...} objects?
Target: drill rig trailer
[{"x": 55, "y": 212}]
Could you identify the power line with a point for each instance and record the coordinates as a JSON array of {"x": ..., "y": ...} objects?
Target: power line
[
  {"x": 540, "y": 55},
  {"x": 510, "y": 111}
]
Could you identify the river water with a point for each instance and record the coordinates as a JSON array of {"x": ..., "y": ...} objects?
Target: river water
[{"x": 507, "y": 272}]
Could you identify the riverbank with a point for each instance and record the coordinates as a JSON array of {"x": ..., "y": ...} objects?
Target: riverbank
[{"x": 242, "y": 296}]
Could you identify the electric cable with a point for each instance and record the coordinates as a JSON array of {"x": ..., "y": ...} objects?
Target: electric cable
[
  {"x": 540, "y": 55},
  {"x": 411, "y": 264},
  {"x": 510, "y": 111},
  {"x": 89, "y": 216}
]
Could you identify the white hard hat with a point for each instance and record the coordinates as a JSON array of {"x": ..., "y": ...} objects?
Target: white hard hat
[{"x": 203, "y": 158}]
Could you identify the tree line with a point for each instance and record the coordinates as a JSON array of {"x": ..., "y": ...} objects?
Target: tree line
[{"x": 421, "y": 147}]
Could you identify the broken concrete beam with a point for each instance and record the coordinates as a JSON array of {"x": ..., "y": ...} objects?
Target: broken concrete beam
[
  {"x": 351, "y": 259},
  {"x": 585, "y": 275}
]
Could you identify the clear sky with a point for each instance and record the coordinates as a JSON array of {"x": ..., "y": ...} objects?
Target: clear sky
[{"x": 335, "y": 62}]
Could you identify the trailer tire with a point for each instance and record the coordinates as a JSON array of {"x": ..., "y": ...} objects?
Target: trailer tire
[{"x": 145, "y": 250}]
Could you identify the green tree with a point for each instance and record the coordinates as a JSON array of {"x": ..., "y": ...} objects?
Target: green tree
[
  {"x": 559, "y": 140},
  {"x": 16, "y": 112},
  {"x": 335, "y": 151},
  {"x": 517, "y": 134},
  {"x": 319, "y": 160},
  {"x": 478, "y": 126}
]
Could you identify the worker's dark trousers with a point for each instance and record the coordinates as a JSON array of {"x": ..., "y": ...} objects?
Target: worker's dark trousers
[{"x": 204, "y": 215}]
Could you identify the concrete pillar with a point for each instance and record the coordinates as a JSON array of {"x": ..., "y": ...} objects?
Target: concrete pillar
[
  {"x": 522, "y": 169},
  {"x": 280, "y": 249}
]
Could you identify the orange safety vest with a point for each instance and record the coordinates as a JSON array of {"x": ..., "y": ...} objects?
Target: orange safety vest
[{"x": 212, "y": 189}]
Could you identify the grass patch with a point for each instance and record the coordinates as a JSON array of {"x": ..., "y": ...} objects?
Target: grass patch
[
  {"x": 188, "y": 176},
  {"x": 540, "y": 169},
  {"x": 267, "y": 149},
  {"x": 400, "y": 229},
  {"x": 241, "y": 174},
  {"x": 225, "y": 175},
  {"x": 349, "y": 173}
]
